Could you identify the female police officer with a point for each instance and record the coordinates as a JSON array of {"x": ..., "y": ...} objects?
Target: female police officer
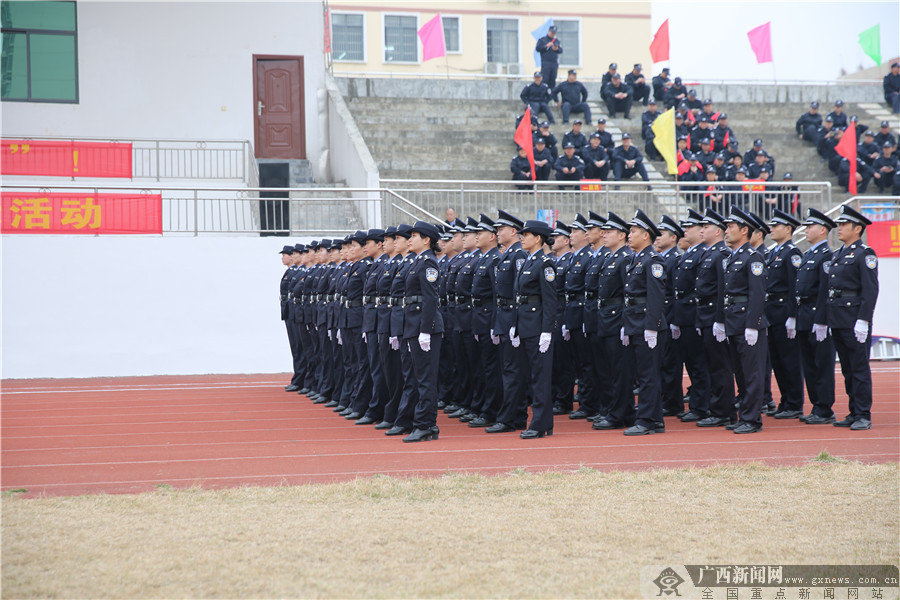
[{"x": 422, "y": 328}]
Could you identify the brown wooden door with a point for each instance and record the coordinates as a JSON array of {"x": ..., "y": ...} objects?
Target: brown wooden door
[{"x": 278, "y": 107}]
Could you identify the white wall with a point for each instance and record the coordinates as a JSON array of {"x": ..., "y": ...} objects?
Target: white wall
[
  {"x": 78, "y": 306},
  {"x": 178, "y": 70}
]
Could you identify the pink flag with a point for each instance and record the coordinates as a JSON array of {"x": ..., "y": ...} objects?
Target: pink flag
[
  {"x": 432, "y": 36},
  {"x": 761, "y": 42}
]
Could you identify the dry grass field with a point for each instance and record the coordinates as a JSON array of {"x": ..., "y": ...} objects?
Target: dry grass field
[{"x": 578, "y": 535}]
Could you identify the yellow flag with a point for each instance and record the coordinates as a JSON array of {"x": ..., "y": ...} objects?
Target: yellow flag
[{"x": 664, "y": 130}]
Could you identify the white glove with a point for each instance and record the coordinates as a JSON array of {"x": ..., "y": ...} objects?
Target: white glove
[
  {"x": 476, "y": 337},
  {"x": 625, "y": 339},
  {"x": 719, "y": 331},
  {"x": 676, "y": 331},
  {"x": 650, "y": 338},
  {"x": 861, "y": 331},
  {"x": 821, "y": 332},
  {"x": 583, "y": 332},
  {"x": 700, "y": 333},
  {"x": 544, "y": 342},
  {"x": 514, "y": 340},
  {"x": 791, "y": 325},
  {"x": 364, "y": 338},
  {"x": 395, "y": 342},
  {"x": 495, "y": 339},
  {"x": 425, "y": 341},
  {"x": 329, "y": 335},
  {"x": 340, "y": 341},
  {"x": 565, "y": 333},
  {"x": 751, "y": 335}
]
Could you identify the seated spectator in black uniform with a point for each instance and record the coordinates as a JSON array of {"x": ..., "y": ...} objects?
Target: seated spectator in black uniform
[
  {"x": 575, "y": 137},
  {"x": 705, "y": 155},
  {"x": 549, "y": 49},
  {"x": 787, "y": 198},
  {"x": 760, "y": 168},
  {"x": 537, "y": 96},
  {"x": 689, "y": 119},
  {"x": 534, "y": 122},
  {"x": 692, "y": 178},
  {"x": 750, "y": 155},
  {"x": 549, "y": 139},
  {"x": 824, "y": 135},
  {"x": 618, "y": 97},
  {"x": 628, "y": 161},
  {"x": 693, "y": 103},
  {"x": 647, "y": 118},
  {"x": 701, "y": 131},
  {"x": 867, "y": 149},
  {"x": 712, "y": 195},
  {"x": 659, "y": 85},
  {"x": 884, "y": 135},
  {"x": 737, "y": 163},
  {"x": 829, "y": 153},
  {"x": 675, "y": 94},
  {"x": 596, "y": 160},
  {"x": 861, "y": 129},
  {"x": 892, "y": 88},
  {"x": 864, "y": 174},
  {"x": 738, "y": 194},
  {"x": 682, "y": 129},
  {"x": 885, "y": 169},
  {"x": 731, "y": 150},
  {"x": 521, "y": 168},
  {"x": 543, "y": 160},
  {"x": 722, "y": 134},
  {"x": 607, "y": 77},
  {"x": 606, "y": 138},
  {"x": 809, "y": 122},
  {"x": 718, "y": 163},
  {"x": 574, "y": 97},
  {"x": 639, "y": 88},
  {"x": 568, "y": 166},
  {"x": 681, "y": 148},
  {"x": 837, "y": 115},
  {"x": 710, "y": 112}
]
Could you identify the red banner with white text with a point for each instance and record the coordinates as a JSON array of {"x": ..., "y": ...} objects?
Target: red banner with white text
[
  {"x": 47, "y": 158},
  {"x": 81, "y": 214}
]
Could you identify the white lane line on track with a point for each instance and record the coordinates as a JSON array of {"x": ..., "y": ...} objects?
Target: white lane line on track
[
  {"x": 551, "y": 467},
  {"x": 138, "y": 389}
]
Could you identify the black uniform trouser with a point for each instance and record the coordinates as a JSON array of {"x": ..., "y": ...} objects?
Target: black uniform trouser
[
  {"x": 592, "y": 171},
  {"x": 490, "y": 376},
  {"x": 347, "y": 380},
  {"x": 647, "y": 364},
  {"x": 809, "y": 133},
  {"x": 581, "y": 107},
  {"x": 548, "y": 72},
  {"x": 584, "y": 372},
  {"x": 721, "y": 376},
  {"x": 563, "y": 371},
  {"x": 751, "y": 360},
  {"x": 463, "y": 375},
  {"x": 855, "y": 368},
  {"x": 362, "y": 379},
  {"x": 425, "y": 370},
  {"x": 409, "y": 397},
  {"x": 390, "y": 366},
  {"x": 540, "y": 365},
  {"x": 690, "y": 345},
  {"x": 471, "y": 364},
  {"x": 310, "y": 354},
  {"x": 614, "y": 378},
  {"x": 622, "y": 105},
  {"x": 323, "y": 384},
  {"x": 620, "y": 172},
  {"x": 818, "y": 371},
  {"x": 641, "y": 93},
  {"x": 513, "y": 409},
  {"x": 447, "y": 383},
  {"x": 296, "y": 355},
  {"x": 784, "y": 355},
  {"x": 542, "y": 173},
  {"x": 671, "y": 375},
  {"x": 380, "y": 393},
  {"x": 541, "y": 107},
  {"x": 337, "y": 368}
]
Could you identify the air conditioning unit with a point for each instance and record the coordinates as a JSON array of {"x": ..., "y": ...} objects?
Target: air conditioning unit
[
  {"x": 515, "y": 69},
  {"x": 493, "y": 68}
]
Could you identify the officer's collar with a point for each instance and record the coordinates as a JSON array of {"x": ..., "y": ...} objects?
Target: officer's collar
[{"x": 819, "y": 243}]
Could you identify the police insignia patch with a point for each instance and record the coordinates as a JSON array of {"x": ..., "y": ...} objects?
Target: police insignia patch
[
  {"x": 796, "y": 260},
  {"x": 519, "y": 264},
  {"x": 826, "y": 266},
  {"x": 549, "y": 274},
  {"x": 724, "y": 263},
  {"x": 871, "y": 261},
  {"x": 431, "y": 274},
  {"x": 756, "y": 268},
  {"x": 656, "y": 270}
]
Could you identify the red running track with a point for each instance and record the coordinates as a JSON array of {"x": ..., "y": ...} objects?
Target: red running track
[{"x": 120, "y": 435}]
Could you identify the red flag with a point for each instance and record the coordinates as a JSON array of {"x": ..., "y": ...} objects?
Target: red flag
[
  {"x": 847, "y": 148},
  {"x": 659, "y": 47},
  {"x": 523, "y": 138},
  {"x": 761, "y": 42}
]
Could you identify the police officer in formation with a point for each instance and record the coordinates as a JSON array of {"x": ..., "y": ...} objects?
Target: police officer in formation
[{"x": 483, "y": 319}]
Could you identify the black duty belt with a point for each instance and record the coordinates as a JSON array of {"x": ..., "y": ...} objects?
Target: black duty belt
[
  {"x": 614, "y": 301},
  {"x": 590, "y": 295},
  {"x": 574, "y": 297},
  {"x": 707, "y": 300},
  {"x": 352, "y": 303},
  {"x": 284, "y": 296},
  {"x": 832, "y": 293},
  {"x": 408, "y": 300},
  {"x": 635, "y": 300},
  {"x": 775, "y": 297},
  {"x": 731, "y": 300},
  {"x": 296, "y": 300},
  {"x": 528, "y": 299},
  {"x": 681, "y": 294},
  {"x": 395, "y": 301},
  {"x": 487, "y": 300},
  {"x": 460, "y": 299},
  {"x": 806, "y": 300},
  {"x": 443, "y": 301},
  {"x": 329, "y": 297},
  {"x": 382, "y": 300},
  {"x": 504, "y": 301}
]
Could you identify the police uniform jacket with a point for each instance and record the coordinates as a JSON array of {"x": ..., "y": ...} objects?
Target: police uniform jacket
[
  {"x": 535, "y": 92},
  {"x": 572, "y": 92},
  {"x": 519, "y": 165},
  {"x": 865, "y": 151},
  {"x": 566, "y": 162},
  {"x": 453, "y": 268},
  {"x": 536, "y": 296},
  {"x": 322, "y": 303},
  {"x": 310, "y": 306},
  {"x": 463, "y": 313},
  {"x": 659, "y": 87},
  {"x": 745, "y": 291},
  {"x": 839, "y": 120},
  {"x": 574, "y": 288},
  {"x": 507, "y": 268},
  {"x": 356, "y": 283},
  {"x": 630, "y": 79},
  {"x": 611, "y": 291},
  {"x": 549, "y": 56},
  {"x": 341, "y": 294},
  {"x": 881, "y": 138},
  {"x": 611, "y": 89},
  {"x": 671, "y": 258},
  {"x": 579, "y": 140},
  {"x": 645, "y": 293},
  {"x": 443, "y": 264},
  {"x": 710, "y": 285},
  {"x": 333, "y": 304},
  {"x": 782, "y": 265},
  {"x": 591, "y": 155},
  {"x": 719, "y": 134},
  {"x": 852, "y": 286},
  {"x": 562, "y": 268},
  {"x": 543, "y": 155},
  {"x": 420, "y": 311},
  {"x": 284, "y": 290},
  {"x": 684, "y": 277},
  {"x": 384, "y": 276},
  {"x": 672, "y": 95},
  {"x": 882, "y": 161},
  {"x": 606, "y": 140},
  {"x": 811, "y": 291},
  {"x": 755, "y": 170},
  {"x": 891, "y": 84},
  {"x": 398, "y": 291},
  {"x": 807, "y": 119},
  {"x": 484, "y": 305},
  {"x": 297, "y": 294},
  {"x": 550, "y": 141},
  {"x": 647, "y": 119},
  {"x": 632, "y": 153}
]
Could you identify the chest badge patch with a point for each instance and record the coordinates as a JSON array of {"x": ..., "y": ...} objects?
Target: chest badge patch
[
  {"x": 519, "y": 264},
  {"x": 756, "y": 268},
  {"x": 871, "y": 261},
  {"x": 656, "y": 270},
  {"x": 549, "y": 274},
  {"x": 724, "y": 263},
  {"x": 431, "y": 274},
  {"x": 826, "y": 265},
  {"x": 796, "y": 260}
]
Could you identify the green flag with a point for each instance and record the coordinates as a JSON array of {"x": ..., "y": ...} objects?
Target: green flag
[{"x": 870, "y": 40}]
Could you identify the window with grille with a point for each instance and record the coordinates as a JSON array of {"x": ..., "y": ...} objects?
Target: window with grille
[
  {"x": 347, "y": 37},
  {"x": 451, "y": 33},
  {"x": 401, "y": 44},
  {"x": 502, "y": 40},
  {"x": 569, "y": 34}
]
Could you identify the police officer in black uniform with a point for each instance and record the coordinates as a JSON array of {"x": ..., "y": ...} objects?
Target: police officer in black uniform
[
  {"x": 575, "y": 302},
  {"x": 647, "y": 119},
  {"x": 574, "y": 97},
  {"x": 596, "y": 160},
  {"x": 659, "y": 85},
  {"x": 549, "y": 140},
  {"x": 852, "y": 293},
  {"x": 618, "y": 97},
  {"x": 321, "y": 393},
  {"x": 374, "y": 249},
  {"x": 569, "y": 167},
  {"x": 563, "y": 359},
  {"x": 361, "y": 392},
  {"x": 591, "y": 398},
  {"x": 333, "y": 393},
  {"x": 298, "y": 312},
  {"x": 543, "y": 160},
  {"x": 390, "y": 359},
  {"x": 606, "y": 138},
  {"x": 838, "y": 117},
  {"x": 535, "y": 323},
  {"x": 666, "y": 245},
  {"x": 521, "y": 168},
  {"x": 638, "y": 84},
  {"x": 409, "y": 396},
  {"x": 537, "y": 96},
  {"x": 627, "y": 161},
  {"x": 468, "y": 361},
  {"x": 284, "y": 297},
  {"x": 549, "y": 48}
]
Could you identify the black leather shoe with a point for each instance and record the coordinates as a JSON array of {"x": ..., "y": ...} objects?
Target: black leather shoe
[
  {"x": 788, "y": 414},
  {"x": 422, "y": 435},
  {"x": 321, "y": 400},
  {"x": 660, "y": 427},
  {"x": 691, "y": 417},
  {"x": 578, "y": 414},
  {"x": 305, "y": 390},
  {"x": 347, "y": 410},
  {"x": 595, "y": 418},
  {"x": 861, "y": 424},
  {"x": 311, "y": 395},
  {"x": 817, "y": 420},
  {"x": 847, "y": 422},
  {"x": 671, "y": 413},
  {"x": 638, "y": 430},
  {"x": 331, "y": 403},
  {"x": 397, "y": 430},
  {"x": 291, "y": 388},
  {"x": 366, "y": 421},
  {"x": 499, "y": 428},
  {"x": 479, "y": 422},
  {"x": 531, "y": 434},
  {"x": 770, "y": 409},
  {"x": 713, "y": 422},
  {"x": 733, "y": 426},
  {"x": 340, "y": 408},
  {"x": 682, "y": 413},
  {"x": 451, "y": 408},
  {"x": 559, "y": 409},
  {"x": 353, "y": 416},
  {"x": 468, "y": 417},
  {"x": 441, "y": 404},
  {"x": 747, "y": 428},
  {"x": 604, "y": 424},
  {"x": 461, "y": 412},
  {"x": 384, "y": 425}
]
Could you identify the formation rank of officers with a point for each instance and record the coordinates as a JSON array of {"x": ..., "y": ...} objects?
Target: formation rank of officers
[{"x": 592, "y": 320}]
